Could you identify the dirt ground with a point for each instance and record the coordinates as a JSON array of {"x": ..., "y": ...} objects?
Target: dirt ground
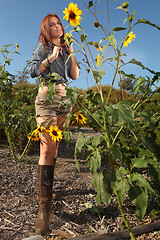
[{"x": 19, "y": 199}]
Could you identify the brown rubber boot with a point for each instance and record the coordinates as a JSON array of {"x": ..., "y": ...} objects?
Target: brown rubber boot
[{"x": 45, "y": 177}]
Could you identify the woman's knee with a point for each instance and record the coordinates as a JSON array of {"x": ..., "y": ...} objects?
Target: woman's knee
[{"x": 48, "y": 149}]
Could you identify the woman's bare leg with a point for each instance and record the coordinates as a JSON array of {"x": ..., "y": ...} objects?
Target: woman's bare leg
[{"x": 48, "y": 147}]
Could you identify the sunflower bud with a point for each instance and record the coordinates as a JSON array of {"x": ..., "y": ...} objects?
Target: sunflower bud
[
  {"x": 96, "y": 24},
  {"x": 125, "y": 5}
]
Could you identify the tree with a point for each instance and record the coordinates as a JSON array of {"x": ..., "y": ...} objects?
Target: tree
[
  {"x": 126, "y": 84},
  {"x": 23, "y": 76}
]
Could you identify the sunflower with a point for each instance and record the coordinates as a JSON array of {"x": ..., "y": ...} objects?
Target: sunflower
[
  {"x": 68, "y": 38},
  {"x": 33, "y": 136},
  {"x": 97, "y": 46},
  {"x": 72, "y": 14},
  {"x": 97, "y": 59},
  {"x": 40, "y": 130},
  {"x": 55, "y": 133},
  {"x": 129, "y": 39},
  {"x": 80, "y": 118}
]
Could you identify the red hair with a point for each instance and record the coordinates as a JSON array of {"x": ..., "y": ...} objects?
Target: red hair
[{"x": 45, "y": 33}]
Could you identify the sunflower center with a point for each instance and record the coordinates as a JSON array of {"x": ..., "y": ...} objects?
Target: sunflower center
[
  {"x": 54, "y": 133},
  {"x": 72, "y": 15},
  {"x": 80, "y": 117}
]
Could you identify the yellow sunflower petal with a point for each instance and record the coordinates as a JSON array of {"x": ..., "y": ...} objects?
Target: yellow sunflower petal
[
  {"x": 16, "y": 46},
  {"x": 129, "y": 39},
  {"x": 97, "y": 59}
]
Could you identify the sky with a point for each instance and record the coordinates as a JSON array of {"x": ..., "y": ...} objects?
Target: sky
[{"x": 20, "y": 23}]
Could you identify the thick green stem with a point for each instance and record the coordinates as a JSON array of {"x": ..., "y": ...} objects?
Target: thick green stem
[
  {"x": 99, "y": 87},
  {"x": 117, "y": 135},
  {"x": 84, "y": 52},
  {"x": 115, "y": 74},
  {"x": 106, "y": 132},
  {"x": 24, "y": 151},
  {"x": 91, "y": 115},
  {"x": 124, "y": 218},
  {"x": 113, "y": 170}
]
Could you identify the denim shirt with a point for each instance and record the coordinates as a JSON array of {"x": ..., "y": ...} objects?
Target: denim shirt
[{"x": 59, "y": 65}]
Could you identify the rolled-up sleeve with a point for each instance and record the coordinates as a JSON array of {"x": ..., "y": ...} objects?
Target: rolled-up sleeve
[{"x": 36, "y": 59}]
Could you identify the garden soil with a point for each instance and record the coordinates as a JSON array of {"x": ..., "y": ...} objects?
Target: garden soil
[{"x": 75, "y": 211}]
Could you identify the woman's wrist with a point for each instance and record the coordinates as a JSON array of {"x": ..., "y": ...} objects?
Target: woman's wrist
[
  {"x": 48, "y": 61},
  {"x": 51, "y": 58}
]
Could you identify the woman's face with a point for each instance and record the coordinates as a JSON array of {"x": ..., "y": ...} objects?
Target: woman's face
[{"x": 55, "y": 28}]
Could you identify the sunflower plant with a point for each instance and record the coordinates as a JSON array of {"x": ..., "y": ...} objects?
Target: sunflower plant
[
  {"x": 16, "y": 116},
  {"x": 123, "y": 158}
]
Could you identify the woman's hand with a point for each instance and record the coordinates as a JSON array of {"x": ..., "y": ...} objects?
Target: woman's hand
[
  {"x": 71, "y": 48},
  {"x": 51, "y": 58},
  {"x": 74, "y": 70},
  {"x": 55, "y": 53}
]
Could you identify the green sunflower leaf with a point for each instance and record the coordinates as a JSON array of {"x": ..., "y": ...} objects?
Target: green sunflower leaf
[
  {"x": 139, "y": 198},
  {"x": 118, "y": 29},
  {"x": 102, "y": 187},
  {"x": 142, "y": 20}
]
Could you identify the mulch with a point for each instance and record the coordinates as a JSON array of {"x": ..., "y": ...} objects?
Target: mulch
[{"x": 70, "y": 218}]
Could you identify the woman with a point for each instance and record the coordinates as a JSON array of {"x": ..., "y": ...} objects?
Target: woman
[{"x": 49, "y": 57}]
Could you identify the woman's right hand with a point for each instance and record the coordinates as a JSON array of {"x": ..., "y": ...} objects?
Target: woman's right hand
[
  {"x": 51, "y": 58},
  {"x": 55, "y": 53}
]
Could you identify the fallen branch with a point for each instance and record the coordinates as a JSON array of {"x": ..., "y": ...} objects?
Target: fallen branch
[
  {"x": 69, "y": 231},
  {"x": 8, "y": 221},
  {"x": 10, "y": 229},
  {"x": 11, "y": 215},
  {"x": 102, "y": 235},
  {"x": 61, "y": 234}
]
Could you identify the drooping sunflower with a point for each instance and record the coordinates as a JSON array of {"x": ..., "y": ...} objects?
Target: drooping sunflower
[
  {"x": 97, "y": 46},
  {"x": 40, "y": 130},
  {"x": 129, "y": 39},
  {"x": 68, "y": 38},
  {"x": 72, "y": 14},
  {"x": 55, "y": 133},
  {"x": 33, "y": 136},
  {"x": 80, "y": 118}
]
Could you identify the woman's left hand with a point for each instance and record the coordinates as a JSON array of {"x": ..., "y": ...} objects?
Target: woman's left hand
[
  {"x": 71, "y": 48},
  {"x": 74, "y": 70}
]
